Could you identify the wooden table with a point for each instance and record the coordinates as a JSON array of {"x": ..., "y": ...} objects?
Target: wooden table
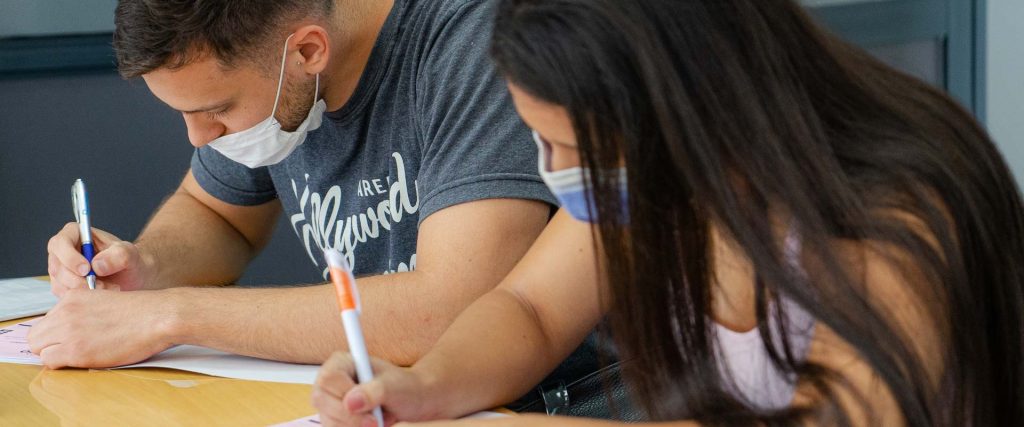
[{"x": 33, "y": 396}]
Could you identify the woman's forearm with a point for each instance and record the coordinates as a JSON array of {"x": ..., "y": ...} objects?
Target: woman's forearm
[
  {"x": 508, "y": 340},
  {"x": 494, "y": 352}
]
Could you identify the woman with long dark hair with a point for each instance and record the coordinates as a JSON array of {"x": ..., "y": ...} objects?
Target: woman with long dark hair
[{"x": 779, "y": 228}]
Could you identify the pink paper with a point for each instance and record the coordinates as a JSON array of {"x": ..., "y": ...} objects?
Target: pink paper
[
  {"x": 314, "y": 420},
  {"x": 14, "y": 344}
]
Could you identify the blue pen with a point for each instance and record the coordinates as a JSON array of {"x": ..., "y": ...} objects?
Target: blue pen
[{"x": 81, "y": 204}]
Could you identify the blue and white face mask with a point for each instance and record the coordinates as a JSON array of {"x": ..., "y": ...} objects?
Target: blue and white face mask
[{"x": 569, "y": 185}]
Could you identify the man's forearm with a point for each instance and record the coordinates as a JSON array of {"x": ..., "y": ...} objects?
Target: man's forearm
[
  {"x": 463, "y": 252},
  {"x": 401, "y": 319},
  {"x": 298, "y": 325},
  {"x": 186, "y": 243}
]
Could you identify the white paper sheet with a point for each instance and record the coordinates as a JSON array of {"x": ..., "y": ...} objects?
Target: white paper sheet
[
  {"x": 14, "y": 349},
  {"x": 24, "y": 297},
  {"x": 314, "y": 420},
  {"x": 220, "y": 364}
]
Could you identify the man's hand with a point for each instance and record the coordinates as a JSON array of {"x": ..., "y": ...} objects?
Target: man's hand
[
  {"x": 118, "y": 264},
  {"x": 102, "y": 329}
]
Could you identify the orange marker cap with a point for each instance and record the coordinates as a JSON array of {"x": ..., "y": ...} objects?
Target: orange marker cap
[
  {"x": 344, "y": 282},
  {"x": 343, "y": 288}
]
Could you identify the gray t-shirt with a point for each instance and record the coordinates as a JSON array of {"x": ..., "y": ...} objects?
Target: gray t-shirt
[{"x": 430, "y": 125}]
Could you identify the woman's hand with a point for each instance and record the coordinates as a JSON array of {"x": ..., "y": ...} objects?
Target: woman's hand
[
  {"x": 511, "y": 421},
  {"x": 526, "y": 420},
  {"x": 401, "y": 393}
]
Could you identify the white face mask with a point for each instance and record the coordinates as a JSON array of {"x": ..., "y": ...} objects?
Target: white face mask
[{"x": 266, "y": 143}]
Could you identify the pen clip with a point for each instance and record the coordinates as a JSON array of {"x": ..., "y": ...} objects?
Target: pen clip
[
  {"x": 353, "y": 288},
  {"x": 76, "y": 203},
  {"x": 355, "y": 295}
]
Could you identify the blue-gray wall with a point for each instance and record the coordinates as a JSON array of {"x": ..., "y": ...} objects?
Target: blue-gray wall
[
  {"x": 131, "y": 150},
  {"x": 52, "y": 17},
  {"x": 1005, "y": 75}
]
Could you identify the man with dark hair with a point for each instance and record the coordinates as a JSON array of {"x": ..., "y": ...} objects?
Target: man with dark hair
[{"x": 378, "y": 127}]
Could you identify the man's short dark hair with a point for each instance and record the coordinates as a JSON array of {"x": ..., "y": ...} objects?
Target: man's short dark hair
[{"x": 151, "y": 34}]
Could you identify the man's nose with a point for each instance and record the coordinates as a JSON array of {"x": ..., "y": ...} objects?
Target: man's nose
[{"x": 202, "y": 132}]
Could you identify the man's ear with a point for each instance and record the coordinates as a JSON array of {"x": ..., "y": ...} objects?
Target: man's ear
[{"x": 312, "y": 47}]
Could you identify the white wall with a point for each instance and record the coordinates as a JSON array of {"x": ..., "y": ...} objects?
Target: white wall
[{"x": 1005, "y": 79}]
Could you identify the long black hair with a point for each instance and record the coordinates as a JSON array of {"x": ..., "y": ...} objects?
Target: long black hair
[{"x": 726, "y": 110}]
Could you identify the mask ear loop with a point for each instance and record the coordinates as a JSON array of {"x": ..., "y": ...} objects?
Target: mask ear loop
[
  {"x": 280, "y": 77},
  {"x": 544, "y": 152},
  {"x": 316, "y": 89}
]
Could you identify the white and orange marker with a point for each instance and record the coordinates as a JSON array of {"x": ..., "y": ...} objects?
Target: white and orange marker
[{"x": 351, "y": 307}]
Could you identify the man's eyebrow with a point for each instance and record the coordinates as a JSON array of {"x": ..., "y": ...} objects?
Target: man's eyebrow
[{"x": 215, "y": 107}]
